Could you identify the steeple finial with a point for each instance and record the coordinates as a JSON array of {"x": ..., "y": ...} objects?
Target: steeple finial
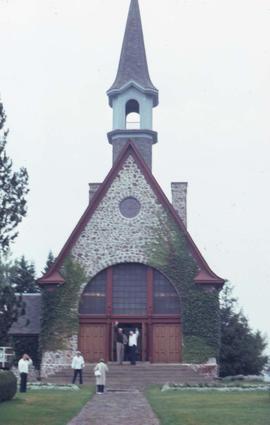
[{"x": 133, "y": 66}]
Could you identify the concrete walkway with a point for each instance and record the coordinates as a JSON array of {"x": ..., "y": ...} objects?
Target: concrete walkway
[{"x": 116, "y": 408}]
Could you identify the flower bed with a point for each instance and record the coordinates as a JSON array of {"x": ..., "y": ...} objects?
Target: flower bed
[
  {"x": 48, "y": 386},
  {"x": 215, "y": 387}
]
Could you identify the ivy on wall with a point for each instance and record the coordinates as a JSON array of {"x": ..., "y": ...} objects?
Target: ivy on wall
[
  {"x": 200, "y": 306},
  {"x": 59, "y": 320}
]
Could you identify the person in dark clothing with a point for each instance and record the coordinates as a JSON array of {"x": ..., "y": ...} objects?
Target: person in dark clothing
[{"x": 119, "y": 344}]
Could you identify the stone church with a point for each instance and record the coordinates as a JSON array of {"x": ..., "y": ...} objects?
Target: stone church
[{"x": 135, "y": 262}]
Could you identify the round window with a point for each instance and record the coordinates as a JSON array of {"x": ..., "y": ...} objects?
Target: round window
[{"x": 130, "y": 207}]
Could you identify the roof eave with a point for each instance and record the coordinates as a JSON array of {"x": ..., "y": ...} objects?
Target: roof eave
[
  {"x": 51, "y": 279},
  {"x": 116, "y": 91}
]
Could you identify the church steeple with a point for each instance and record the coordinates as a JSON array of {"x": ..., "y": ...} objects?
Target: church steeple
[
  {"x": 133, "y": 95},
  {"x": 133, "y": 66}
]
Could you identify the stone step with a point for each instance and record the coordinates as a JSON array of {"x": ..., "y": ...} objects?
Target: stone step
[{"x": 136, "y": 377}]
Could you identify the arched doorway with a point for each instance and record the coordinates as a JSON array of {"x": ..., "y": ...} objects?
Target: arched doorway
[{"x": 136, "y": 296}]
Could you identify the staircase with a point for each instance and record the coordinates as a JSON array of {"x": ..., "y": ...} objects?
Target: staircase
[{"x": 140, "y": 376}]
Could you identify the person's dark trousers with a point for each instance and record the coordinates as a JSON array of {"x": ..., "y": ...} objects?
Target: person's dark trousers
[
  {"x": 77, "y": 372},
  {"x": 23, "y": 382},
  {"x": 126, "y": 356},
  {"x": 132, "y": 352},
  {"x": 100, "y": 388}
]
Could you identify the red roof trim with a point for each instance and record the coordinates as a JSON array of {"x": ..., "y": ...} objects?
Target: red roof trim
[
  {"x": 209, "y": 275},
  {"x": 51, "y": 278}
]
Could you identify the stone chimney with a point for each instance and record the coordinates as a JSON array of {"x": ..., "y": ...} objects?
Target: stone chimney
[
  {"x": 179, "y": 199},
  {"x": 93, "y": 187}
]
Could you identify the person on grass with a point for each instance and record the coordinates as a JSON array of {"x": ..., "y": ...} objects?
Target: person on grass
[
  {"x": 23, "y": 366},
  {"x": 77, "y": 366}
]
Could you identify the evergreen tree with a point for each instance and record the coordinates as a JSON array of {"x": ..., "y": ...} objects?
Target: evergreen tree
[
  {"x": 49, "y": 262},
  {"x": 13, "y": 189},
  {"x": 241, "y": 348},
  {"x": 11, "y": 306},
  {"x": 23, "y": 277}
]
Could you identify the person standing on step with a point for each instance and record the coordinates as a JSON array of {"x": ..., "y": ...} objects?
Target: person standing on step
[
  {"x": 100, "y": 371},
  {"x": 119, "y": 344},
  {"x": 23, "y": 365},
  {"x": 125, "y": 340},
  {"x": 132, "y": 344},
  {"x": 77, "y": 366}
]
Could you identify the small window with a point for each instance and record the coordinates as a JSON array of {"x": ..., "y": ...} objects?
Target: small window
[{"x": 130, "y": 207}]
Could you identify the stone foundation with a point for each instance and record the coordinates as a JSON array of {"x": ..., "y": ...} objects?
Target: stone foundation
[
  {"x": 55, "y": 361},
  {"x": 209, "y": 370}
]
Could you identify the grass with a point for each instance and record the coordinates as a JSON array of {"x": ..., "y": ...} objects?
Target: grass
[
  {"x": 211, "y": 408},
  {"x": 44, "y": 407}
]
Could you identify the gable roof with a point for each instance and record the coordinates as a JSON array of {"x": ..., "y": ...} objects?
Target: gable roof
[
  {"x": 205, "y": 275},
  {"x": 29, "y": 323},
  {"x": 133, "y": 63}
]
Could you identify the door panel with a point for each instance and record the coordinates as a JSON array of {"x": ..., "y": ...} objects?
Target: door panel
[
  {"x": 92, "y": 342},
  {"x": 166, "y": 343}
]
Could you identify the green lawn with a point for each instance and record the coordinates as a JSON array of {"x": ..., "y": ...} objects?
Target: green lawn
[
  {"x": 44, "y": 407},
  {"x": 210, "y": 408}
]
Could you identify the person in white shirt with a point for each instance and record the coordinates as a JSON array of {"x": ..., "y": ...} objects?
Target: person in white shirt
[
  {"x": 77, "y": 366},
  {"x": 23, "y": 365},
  {"x": 132, "y": 344}
]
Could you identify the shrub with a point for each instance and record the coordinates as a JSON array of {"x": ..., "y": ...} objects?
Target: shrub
[{"x": 8, "y": 385}]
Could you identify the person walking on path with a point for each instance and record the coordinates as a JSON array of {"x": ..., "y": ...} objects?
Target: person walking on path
[
  {"x": 132, "y": 343},
  {"x": 23, "y": 365},
  {"x": 119, "y": 344},
  {"x": 77, "y": 366},
  {"x": 100, "y": 371}
]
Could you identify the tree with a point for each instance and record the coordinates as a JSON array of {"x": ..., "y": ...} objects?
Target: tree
[
  {"x": 23, "y": 277},
  {"x": 11, "y": 306},
  {"x": 49, "y": 262},
  {"x": 241, "y": 348},
  {"x": 13, "y": 189}
]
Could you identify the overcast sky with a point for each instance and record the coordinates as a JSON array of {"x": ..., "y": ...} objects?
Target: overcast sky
[{"x": 210, "y": 60}]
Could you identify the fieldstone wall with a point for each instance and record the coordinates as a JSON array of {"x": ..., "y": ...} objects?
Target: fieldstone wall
[
  {"x": 110, "y": 238},
  {"x": 54, "y": 361},
  {"x": 179, "y": 199}
]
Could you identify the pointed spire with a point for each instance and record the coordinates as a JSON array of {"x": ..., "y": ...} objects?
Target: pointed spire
[{"x": 133, "y": 63}]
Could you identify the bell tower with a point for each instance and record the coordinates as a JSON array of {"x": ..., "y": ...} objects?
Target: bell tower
[{"x": 133, "y": 95}]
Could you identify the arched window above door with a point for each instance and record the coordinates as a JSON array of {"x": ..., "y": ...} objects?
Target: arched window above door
[{"x": 129, "y": 289}]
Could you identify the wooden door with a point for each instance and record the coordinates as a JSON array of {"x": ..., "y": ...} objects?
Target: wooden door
[
  {"x": 166, "y": 343},
  {"x": 92, "y": 342}
]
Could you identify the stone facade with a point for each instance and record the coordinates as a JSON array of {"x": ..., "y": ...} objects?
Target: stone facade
[
  {"x": 54, "y": 361},
  {"x": 179, "y": 199},
  {"x": 110, "y": 238}
]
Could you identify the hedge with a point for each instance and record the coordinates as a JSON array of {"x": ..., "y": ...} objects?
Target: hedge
[{"x": 8, "y": 385}]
